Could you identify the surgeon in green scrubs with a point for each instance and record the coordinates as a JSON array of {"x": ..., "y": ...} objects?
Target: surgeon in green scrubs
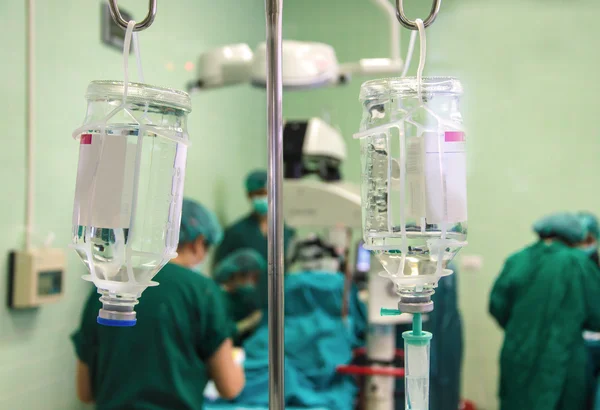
[
  {"x": 181, "y": 339},
  {"x": 544, "y": 297},
  {"x": 251, "y": 231},
  {"x": 238, "y": 275}
]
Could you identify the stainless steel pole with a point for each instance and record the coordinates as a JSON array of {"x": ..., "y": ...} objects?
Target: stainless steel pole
[{"x": 274, "y": 10}]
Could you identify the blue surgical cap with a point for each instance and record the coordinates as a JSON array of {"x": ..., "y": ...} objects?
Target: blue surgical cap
[
  {"x": 256, "y": 180},
  {"x": 241, "y": 261},
  {"x": 590, "y": 223},
  {"x": 563, "y": 225},
  {"x": 197, "y": 220}
]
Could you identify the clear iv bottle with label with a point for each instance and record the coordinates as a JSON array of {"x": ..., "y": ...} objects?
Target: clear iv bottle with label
[
  {"x": 128, "y": 196},
  {"x": 413, "y": 170}
]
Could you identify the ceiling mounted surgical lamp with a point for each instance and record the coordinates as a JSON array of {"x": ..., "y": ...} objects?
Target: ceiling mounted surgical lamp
[
  {"x": 305, "y": 65},
  {"x": 224, "y": 66}
]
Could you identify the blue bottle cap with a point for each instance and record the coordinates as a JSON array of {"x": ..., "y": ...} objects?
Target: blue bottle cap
[{"x": 115, "y": 323}]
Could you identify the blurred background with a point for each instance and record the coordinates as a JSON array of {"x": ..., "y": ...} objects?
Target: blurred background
[{"x": 528, "y": 67}]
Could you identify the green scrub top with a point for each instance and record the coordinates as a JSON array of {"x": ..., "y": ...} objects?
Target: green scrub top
[
  {"x": 161, "y": 362},
  {"x": 246, "y": 233},
  {"x": 544, "y": 297},
  {"x": 239, "y": 305}
]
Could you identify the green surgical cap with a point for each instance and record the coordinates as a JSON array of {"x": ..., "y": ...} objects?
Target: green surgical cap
[
  {"x": 197, "y": 220},
  {"x": 563, "y": 225},
  {"x": 590, "y": 223},
  {"x": 240, "y": 261},
  {"x": 256, "y": 180}
]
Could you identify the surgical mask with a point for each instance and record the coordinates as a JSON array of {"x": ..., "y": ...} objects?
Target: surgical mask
[{"x": 260, "y": 204}]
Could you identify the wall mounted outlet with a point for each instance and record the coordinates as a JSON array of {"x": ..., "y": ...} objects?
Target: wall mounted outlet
[{"x": 36, "y": 277}]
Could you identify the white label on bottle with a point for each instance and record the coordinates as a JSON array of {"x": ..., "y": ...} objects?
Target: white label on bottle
[
  {"x": 415, "y": 178},
  {"x": 453, "y": 182},
  {"x": 104, "y": 188}
]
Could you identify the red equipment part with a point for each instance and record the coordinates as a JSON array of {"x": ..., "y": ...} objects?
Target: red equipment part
[
  {"x": 371, "y": 371},
  {"x": 467, "y": 405}
]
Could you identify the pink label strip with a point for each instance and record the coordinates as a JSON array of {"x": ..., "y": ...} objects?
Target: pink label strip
[
  {"x": 86, "y": 139},
  {"x": 454, "y": 136}
]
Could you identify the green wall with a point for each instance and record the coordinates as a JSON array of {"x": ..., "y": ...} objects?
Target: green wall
[
  {"x": 529, "y": 106},
  {"x": 227, "y": 129},
  {"x": 529, "y": 69}
]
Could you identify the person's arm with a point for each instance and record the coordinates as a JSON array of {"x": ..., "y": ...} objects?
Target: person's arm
[
  {"x": 84, "y": 383},
  {"x": 228, "y": 377},
  {"x": 501, "y": 296},
  {"x": 215, "y": 345}
]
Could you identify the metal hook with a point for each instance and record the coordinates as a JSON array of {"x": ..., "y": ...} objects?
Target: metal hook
[
  {"x": 144, "y": 24},
  {"x": 410, "y": 24}
]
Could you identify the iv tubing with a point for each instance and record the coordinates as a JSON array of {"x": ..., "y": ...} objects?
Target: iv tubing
[
  {"x": 138, "y": 58},
  {"x": 136, "y": 188},
  {"x": 128, "y": 263},
  {"x": 409, "y": 53},
  {"x": 404, "y": 246},
  {"x": 422, "y": 57},
  {"x": 102, "y": 125},
  {"x": 423, "y": 49},
  {"x": 130, "y": 35},
  {"x": 126, "y": 48}
]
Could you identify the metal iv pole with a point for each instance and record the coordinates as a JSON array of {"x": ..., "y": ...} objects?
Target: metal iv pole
[{"x": 274, "y": 10}]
